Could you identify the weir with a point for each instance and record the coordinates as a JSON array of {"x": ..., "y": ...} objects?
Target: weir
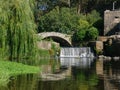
[
  {"x": 76, "y": 56},
  {"x": 76, "y": 52}
]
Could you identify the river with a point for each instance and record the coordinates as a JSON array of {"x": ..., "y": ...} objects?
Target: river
[{"x": 70, "y": 74}]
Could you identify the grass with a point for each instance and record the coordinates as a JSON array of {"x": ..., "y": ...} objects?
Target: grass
[{"x": 8, "y": 69}]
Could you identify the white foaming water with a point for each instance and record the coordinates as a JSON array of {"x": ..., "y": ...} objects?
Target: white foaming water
[{"x": 76, "y": 52}]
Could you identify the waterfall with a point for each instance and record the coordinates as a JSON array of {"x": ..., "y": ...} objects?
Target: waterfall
[{"x": 76, "y": 52}]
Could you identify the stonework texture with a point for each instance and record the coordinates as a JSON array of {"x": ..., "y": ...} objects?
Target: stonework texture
[{"x": 111, "y": 22}]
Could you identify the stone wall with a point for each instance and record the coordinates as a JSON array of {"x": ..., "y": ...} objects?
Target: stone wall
[
  {"x": 111, "y": 22},
  {"x": 47, "y": 45},
  {"x": 97, "y": 46},
  {"x": 103, "y": 38}
]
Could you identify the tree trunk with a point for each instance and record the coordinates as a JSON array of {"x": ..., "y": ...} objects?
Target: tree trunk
[
  {"x": 69, "y": 3},
  {"x": 79, "y": 7}
]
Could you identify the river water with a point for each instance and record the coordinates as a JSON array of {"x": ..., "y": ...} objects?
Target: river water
[{"x": 70, "y": 74}]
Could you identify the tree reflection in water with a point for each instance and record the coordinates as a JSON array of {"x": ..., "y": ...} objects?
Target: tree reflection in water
[{"x": 99, "y": 75}]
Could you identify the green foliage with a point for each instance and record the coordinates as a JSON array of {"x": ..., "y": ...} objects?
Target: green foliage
[
  {"x": 93, "y": 17},
  {"x": 55, "y": 49},
  {"x": 82, "y": 6},
  {"x": 85, "y": 35},
  {"x": 17, "y": 29},
  {"x": 58, "y": 20},
  {"x": 92, "y": 33},
  {"x": 85, "y": 32},
  {"x": 79, "y": 35},
  {"x": 43, "y": 53},
  {"x": 8, "y": 69},
  {"x": 83, "y": 24},
  {"x": 4, "y": 78},
  {"x": 98, "y": 52},
  {"x": 66, "y": 20}
]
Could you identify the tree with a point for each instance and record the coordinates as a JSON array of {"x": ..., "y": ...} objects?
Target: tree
[
  {"x": 82, "y": 27},
  {"x": 79, "y": 35},
  {"x": 85, "y": 32},
  {"x": 58, "y": 20},
  {"x": 95, "y": 20},
  {"x": 82, "y": 24},
  {"x": 17, "y": 28},
  {"x": 93, "y": 17},
  {"x": 91, "y": 33}
]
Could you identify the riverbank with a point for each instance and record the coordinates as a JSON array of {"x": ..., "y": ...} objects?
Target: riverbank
[{"x": 8, "y": 69}]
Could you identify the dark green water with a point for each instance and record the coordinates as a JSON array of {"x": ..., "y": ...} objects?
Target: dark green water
[{"x": 77, "y": 74}]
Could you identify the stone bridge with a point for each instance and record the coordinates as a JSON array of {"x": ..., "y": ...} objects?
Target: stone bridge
[{"x": 63, "y": 39}]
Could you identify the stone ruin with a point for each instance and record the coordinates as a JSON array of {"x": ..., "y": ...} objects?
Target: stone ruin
[{"x": 111, "y": 22}]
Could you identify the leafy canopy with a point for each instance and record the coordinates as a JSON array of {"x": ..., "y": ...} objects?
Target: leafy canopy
[{"x": 17, "y": 28}]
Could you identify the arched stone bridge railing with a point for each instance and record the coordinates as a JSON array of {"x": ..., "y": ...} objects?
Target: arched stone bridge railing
[{"x": 59, "y": 36}]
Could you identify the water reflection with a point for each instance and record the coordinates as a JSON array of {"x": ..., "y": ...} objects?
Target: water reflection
[
  {"x": 80, "y": 74},
  {"x": 112, "y": 75},
  {"x": 22, "y": 82},
  {"x": 78, "y": 62}
]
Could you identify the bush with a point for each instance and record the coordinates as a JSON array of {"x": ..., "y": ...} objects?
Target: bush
[
  {"x": 91, "y": 33},
  {"x": 85, "y": 32}
]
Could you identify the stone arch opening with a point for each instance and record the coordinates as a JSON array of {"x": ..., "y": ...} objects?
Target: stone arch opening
[{"x": 61, "y": 41}]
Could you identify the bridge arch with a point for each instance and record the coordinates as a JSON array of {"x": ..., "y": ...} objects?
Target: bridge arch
[{"x": 63, "y": 39}]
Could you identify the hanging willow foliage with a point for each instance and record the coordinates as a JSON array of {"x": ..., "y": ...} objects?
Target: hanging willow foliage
[{"x": 17, "y": 29}]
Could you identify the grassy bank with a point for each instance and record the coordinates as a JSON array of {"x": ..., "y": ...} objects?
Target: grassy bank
[{"x": 8, "y": 69}]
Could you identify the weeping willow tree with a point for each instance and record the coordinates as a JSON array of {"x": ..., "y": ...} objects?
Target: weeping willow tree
[{"x": 17, "y": 29}]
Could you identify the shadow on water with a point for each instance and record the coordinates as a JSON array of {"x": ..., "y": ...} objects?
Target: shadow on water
[{"x": 70, "y": 74}]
